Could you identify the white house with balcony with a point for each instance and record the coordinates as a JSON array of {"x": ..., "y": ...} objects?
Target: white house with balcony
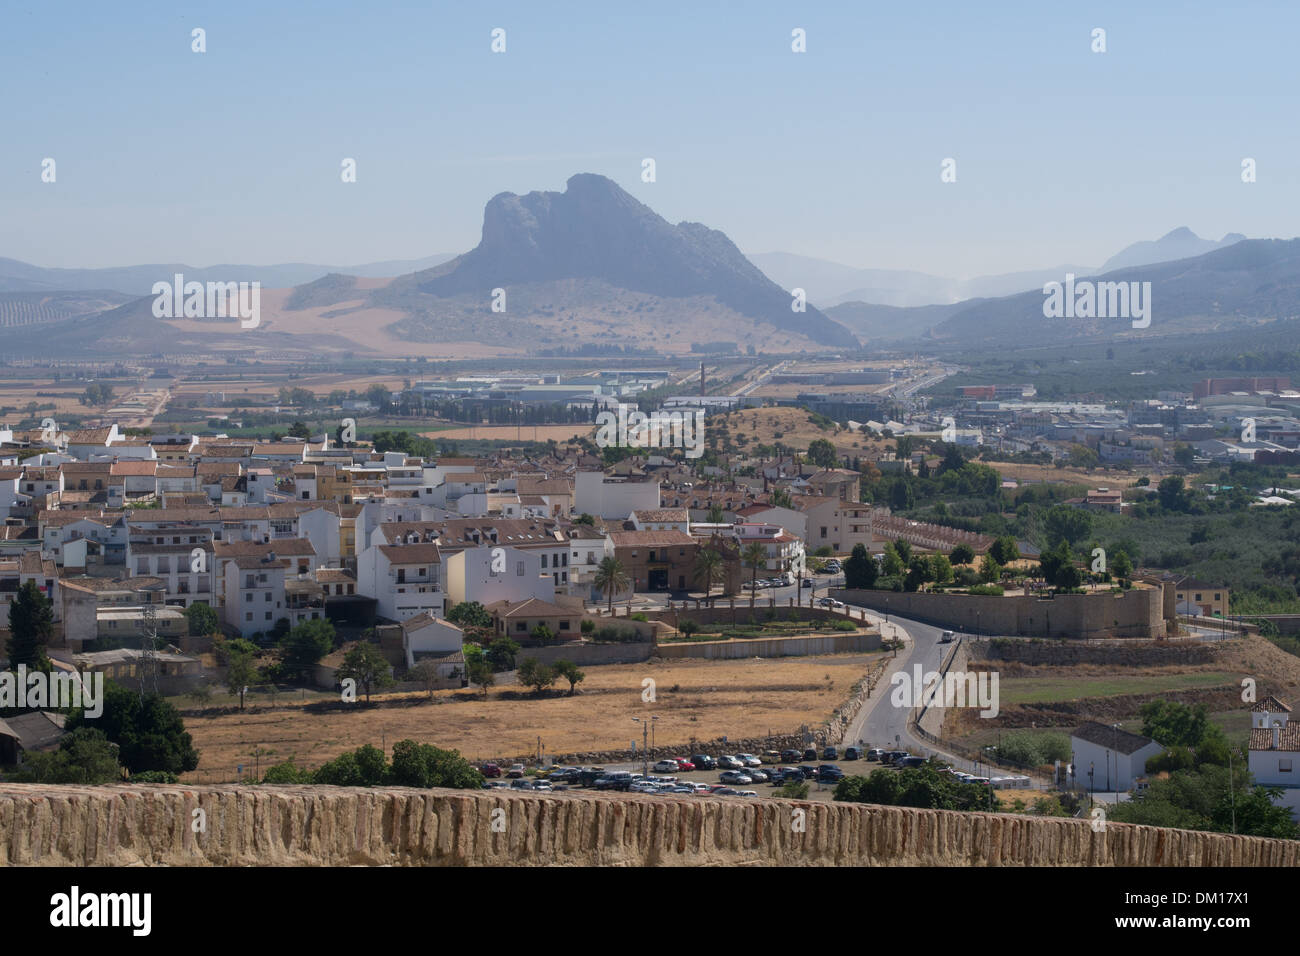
[
  {"x": 503, "y": 573},
  {"x": 405, "y": 579}
]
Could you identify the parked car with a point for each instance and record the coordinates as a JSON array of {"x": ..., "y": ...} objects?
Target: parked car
[
  {"x": 909, "y": 762},
  {"x": 749, "y": 760},
  {"x": 704, "y": 762},
  {"x": 829, "y": 774},
  {"x": 807, "y": 583},
  {"x": 852, "y": 753},
  {"x": 683, "y": 765},
  {"x": 746, "y": 793},
  {"x": 588, "y": 776},
  {"x": 791, "y": 756},
  {"x": 521, "y": 784},
  {"x": 809, "y": 754},
  {"x": 490, "y": 770},
  {"x": 542, "y": 785},
  {"x": 771, "y": 756},
  {"x": 757, "y": 775},
  {"x": 615, "y": 780},
  {"x": 891, "y": 755},
  {"x": 731, "y": 762},
  {"x": 735, "y": 776},
  {"x": 875, "y": 753},
  {"x": 667, "y": 766},
  {"x": 516, "y": 770},
  {"x": 723, "y": 792},
  {"x": 831, "y": 753}
]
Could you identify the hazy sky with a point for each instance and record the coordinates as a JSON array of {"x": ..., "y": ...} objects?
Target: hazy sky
[{"x": 233, "y": 155}]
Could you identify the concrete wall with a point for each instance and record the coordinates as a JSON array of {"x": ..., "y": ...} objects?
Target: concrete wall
[
  {"x": 774, "y": 646},
  {"x": 1137, "y": 613},
  {"x": 332, "y": 826},
  {"x": 586, "y": 654}
]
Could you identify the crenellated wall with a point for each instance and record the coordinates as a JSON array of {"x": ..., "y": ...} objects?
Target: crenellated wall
[{"x": 333, "y": 826}]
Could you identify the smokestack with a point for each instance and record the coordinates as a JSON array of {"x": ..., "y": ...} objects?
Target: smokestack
[{"x": 701, "y": 378}]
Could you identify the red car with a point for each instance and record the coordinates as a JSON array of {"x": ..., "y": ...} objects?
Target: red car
[
  {"x": 683, "y": 764},
  {"x": 490, "y": 770}
]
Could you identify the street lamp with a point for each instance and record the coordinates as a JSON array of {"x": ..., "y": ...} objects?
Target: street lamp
[{"x": 646, "y": 724}]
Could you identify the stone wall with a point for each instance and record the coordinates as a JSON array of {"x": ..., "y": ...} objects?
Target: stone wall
[
  {"x": 328, "y": 826},
  {"x": 1137, "y": 613},
  {"x": 774, "y": 646},
  {"x": 1060, "y": 653}
]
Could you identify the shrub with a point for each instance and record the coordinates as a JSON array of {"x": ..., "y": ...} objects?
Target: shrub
[
  {"x": 154, "y": 776},
  {"x": 990, "y": 590}
]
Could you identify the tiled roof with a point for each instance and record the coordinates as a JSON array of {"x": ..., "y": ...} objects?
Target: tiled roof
[{"x": 1103, "y": 735}]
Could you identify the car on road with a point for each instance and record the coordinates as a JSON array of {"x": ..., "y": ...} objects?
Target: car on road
[
  {"x": 831, "y": 753},
  {"x": 807, "y": 583},
  {"x": 667, "y": 766},
  {"x": 875, "y": 753},
  {"x": 516, "y": 771},
  {"x": 749, "y": 760},
  {"x": 704, "y": 762},
  {"x": 946, "y": 637},
  {"x": 490, "y": 770},
  {"x": 684, "y": 765},
  {"x": 829, "y": 602},
  {"x": 735, "y": 776},
  {"x": 852, "y": 753}
]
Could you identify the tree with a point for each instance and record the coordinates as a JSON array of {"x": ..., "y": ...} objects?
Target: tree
[
  {"x": 1064, "y": 521},
  {"x": 1121, "y": 565},
  {"x": 240, "y": 672},
  {"x": 299, "y": 430},
  {"x": 424, "y": 765},
  {"x": 754, "y": 556},
  {"x": 535, "y": 674},
  {"x": 367, "y": 666},
  {"x": 364, "y": 767},
  {"x": 31, "y": 627},
  {"x": 610, "y": 579},
  {"x": 781, "y": 498},
  {"x": 1053, "y": 560},
  {"x": 202, "y": 620},
  {"x": 990, "y": 570},
  {"x": 715, "y": 514},
  {"x": 150, "y": 734},
  {"x": 1005, "y": 550},
  {"x": 860, "y": 568},
  {"x": 500, "y": 654},
  {"x": 901, "y": 497},
  {"x": 426, "y": 672},
  {"x": 1184, "y": 456},
  {"x": 891, "y": 564},
  {"x": 962, "y": 554},
  {"x": 1069, "y": 578},
  {"x": 918, "y": 572},
  {"x": 570, "y": 672},
  {"x": 903, "y": 549},
  {"x": 709, "y": 570},
  {"x": 822, "y": 453},
  {"x": 304, "y": 646},
  {"x": 586, "y": 519},
  {"x": 940, "y": 569},
  {"x": 470, "y": 614},
  {"x": 543, "y": 635},
  {"x": 85, "y": 756},
  {"x": 477, "y": 668},
  {"x": 1172, "y": 494}
]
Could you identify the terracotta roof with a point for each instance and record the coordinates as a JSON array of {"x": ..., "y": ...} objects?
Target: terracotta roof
[
  {"x": 1270, "y": 705},
  {"x": 650, "y": 539},
  {"x": 1261, "y": 738},
  {"x": 411, "y": 553}
]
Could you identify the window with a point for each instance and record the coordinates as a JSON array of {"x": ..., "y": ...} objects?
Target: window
[
  {"x": 823, "y": 531},
  {"x": 521, "y": 626},
  {"x": 268, "y": 615},
  {"x": 247, "y": 596},
  {"x": 248, "y": 616},
  {"x": 268, "y": 597},
  {"x": 564, "y": 625},
  {"x": 519, "y": 569},
  {"x": 1284, "y": 766},
  {"x": 1198, "y": 596},
  {"x": 543, "y": 561}
]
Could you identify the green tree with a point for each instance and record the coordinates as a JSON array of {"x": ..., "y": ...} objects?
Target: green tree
[
  {"x": 240, "y": 672},
  {"x": 569, "y": 671},
  {"x": 709, "y": 570},
  {"x": 1121, "y": 565},
  {"x": 860, "y": 568},
  {"x": 202, "y": 620},
  {"x": 366, "y": 665},
  {"x": 364, "y": 767},
  {"x": 150, "y": 734},
  {"x": 1065, "y": 521},
  {"x": 424, "y": 766},
  {"x": 891, "y": 564},
  {"x": 85, "y": 756},
  {"x": 501, "y": 653},
  {"x": 1005, "y": 550},
  {"x": 535, "y": 674},
  {"x": 610, "y": 579},
  {"x": 304, "y": 646},
  {"x": 903, "y": 549},
  {"x": 990, "y": 570},
  {"x": 822, "y": 453},
  {"x": 543, "y": 635},
  {"x": 962, "y": 554},
  {"x": 940, "y": 569},
  {"x": 426, "y": 672},
  {"x": 477, "y": 668},
  {"x": 753, "y": 556},
  {"x": 470, "y": 614},
  {"x": 715, "y": 514},
  {"x": 31, "y": 627}
]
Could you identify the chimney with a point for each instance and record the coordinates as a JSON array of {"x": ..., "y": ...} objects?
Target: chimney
[{"x": 1277, "y": 733}]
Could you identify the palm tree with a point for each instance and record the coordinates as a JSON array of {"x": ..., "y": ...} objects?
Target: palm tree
[
  {"x": 709, "y": 571},
  {"x": 754, "y": 556},
  {"x": 610, "y": 579},
  {"x": 715, "y": 514}
]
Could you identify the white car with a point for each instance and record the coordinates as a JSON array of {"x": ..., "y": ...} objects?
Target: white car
[
  {"x": 735, "y": 776},
  {"x": 667, "y": 766},
  {"x": 749, "y": 760},
  {"x": 746, "y": 793}
]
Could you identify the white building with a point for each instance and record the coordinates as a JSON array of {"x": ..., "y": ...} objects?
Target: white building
[
  {"x": 491, "y": 574},
  {"x": 1274, "y": 751},
  {"x": 1114, "y": 757},
  {"x": 597, "y": 494}
]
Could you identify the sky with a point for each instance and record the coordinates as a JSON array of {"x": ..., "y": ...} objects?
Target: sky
[{"x": 233, "y": 155}]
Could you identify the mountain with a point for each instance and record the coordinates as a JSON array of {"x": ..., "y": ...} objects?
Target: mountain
[
  {"x": 18, "y": 276},
  {"x": 1243, "y": 285},
  {"x": 1181, "y": 243},
  {"x": 596, "y": 240},
  {"x": 890, "y": 323}
]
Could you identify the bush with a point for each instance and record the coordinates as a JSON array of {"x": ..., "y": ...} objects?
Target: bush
[
  {"x": 587, "y": 626},
  {"x": 287, "y": 772},
  {"x": 154, "y": 776},
  {"x": 989, "y": 590}
]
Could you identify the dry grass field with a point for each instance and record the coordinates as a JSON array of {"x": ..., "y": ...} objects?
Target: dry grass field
[{"x": 694, "y": 699}]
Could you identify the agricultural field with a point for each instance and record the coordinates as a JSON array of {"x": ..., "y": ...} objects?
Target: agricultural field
[{"x": 695, "y": 699}]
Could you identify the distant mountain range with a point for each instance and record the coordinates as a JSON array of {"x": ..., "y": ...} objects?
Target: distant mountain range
[
  {"x": 18, "y": 276},
  {"x": 831, "y": 284}
]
